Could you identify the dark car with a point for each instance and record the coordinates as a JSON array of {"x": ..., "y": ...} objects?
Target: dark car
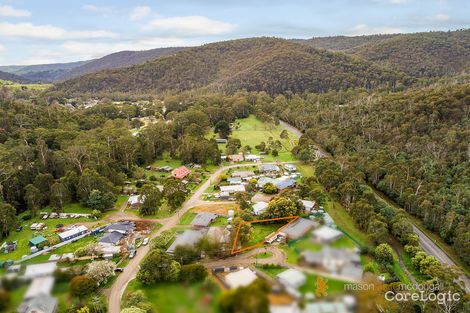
[
  {"x": 20, "y": 228},
  {"x": 59, "y": 225},
  {"x": 118, "y": 269}
]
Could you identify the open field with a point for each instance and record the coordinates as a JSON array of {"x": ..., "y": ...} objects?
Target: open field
[
  {"x": 17, "y": 86},
  {"x": 180, "y": 297},
  {"x": 252, "y": 132}
]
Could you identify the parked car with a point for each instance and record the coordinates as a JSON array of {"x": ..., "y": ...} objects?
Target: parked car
[
  {"x": 20, "y": 228},
  {"x": 132, "y": 254},
  {"x": 119, "y": 269},
  {"x": 59, "y": 225},
  {"x": 146, "y": 241}
]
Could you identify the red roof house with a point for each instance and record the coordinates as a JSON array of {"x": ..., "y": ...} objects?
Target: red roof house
[{"x": 180, "y": 172}]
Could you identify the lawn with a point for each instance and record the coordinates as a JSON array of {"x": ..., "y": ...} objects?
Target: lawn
[
  {"x": 252, "y": 132},
  {"x": 260, "y": 231},
  {"x": 26, "y": 234},
  {"x": 271, "y": 270},
  {"x": 16, "y": 297},
  {"x": 334, "y": 286},
  {"x": 219, "y": 221},
  {"x": 180, "y": 297},
  {"x": 187, "y": 218},
  {"x": 263, "y": 255}
]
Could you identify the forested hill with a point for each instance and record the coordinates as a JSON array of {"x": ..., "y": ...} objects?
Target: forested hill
[
  {"x": 257, "y": 64},
  {"x": 342, "y": 43},
  {"x": 12, "y": 77},
  {"x": 121, "y": 59},
  {"x": 418, "y": 55}
]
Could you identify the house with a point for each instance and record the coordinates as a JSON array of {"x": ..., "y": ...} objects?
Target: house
[
  {"x": 252, "y": 158},
  {"x": 221, "y": 141},
  {"x": 181, "y": 172},
  {"x": 264, "y": 180},
  {"x": 235, "y": 158},
  {"x": 72, "y": 233},
  {"x": 341, "y": 262},
  {"x": 166, "y": 169},
  {"x": 292, "y": 280},
  {"x": 37, "y": 241},
  {"x": 258, "y": 208},
  {"x": 8, "y": 247},
  {"x": 268, "y": 168},
  {"x": 203, "y": 219},
  {"x": 135, "y": 200},
  {"x": 298, "y": 228},
  {"x": 234, "y": 180},
  {"x": 232, "y": 188},
  {"x": 290, "y": 167},
  {"x": 39, "y": 286},
  {"x": 308, "y": 205},
  {"x": 328, "y": 220},
  {"x": 40, "y": 304},
  {"x": 188, "y": 237},
  {"x": 40, "y": 270},
  {"x": 283, "y": 184},
  {"x": 121, "y": 227},
  {"x": 111, "y": 238},
  {"x": 224, "y": 195},
  {"x": 240, "y": 278},
  {"x": 326, "y": 234},
  {"x": 243, "y": 174},
  {"x": 219, "y": 234}
]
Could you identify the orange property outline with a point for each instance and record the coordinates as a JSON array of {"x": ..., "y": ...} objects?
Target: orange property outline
[{"x": 294, "y": 218}]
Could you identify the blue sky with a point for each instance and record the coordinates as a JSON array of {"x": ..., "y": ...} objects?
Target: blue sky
[{"x": 49, "y": 31}]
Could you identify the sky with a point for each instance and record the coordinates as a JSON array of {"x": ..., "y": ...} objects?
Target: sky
[{"x": 51, "y": 31}]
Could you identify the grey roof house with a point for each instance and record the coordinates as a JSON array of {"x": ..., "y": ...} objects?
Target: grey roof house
[
  {"x": 298, "y": 228},
  {"x": 203, "y": 219},
  {"x": 188, "y": 237},
  {"x": 40, "y": 304}
]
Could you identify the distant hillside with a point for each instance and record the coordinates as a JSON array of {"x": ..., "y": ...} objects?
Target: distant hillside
[
  {"x": 121, "y": 59},
  {"x": 342, "y": 43},
  {"x": 61, "y": 71},
  {"x": 272, "y": 65},
  {"x": 12, "y": 77},
  {"x": 421, "y": 54}
]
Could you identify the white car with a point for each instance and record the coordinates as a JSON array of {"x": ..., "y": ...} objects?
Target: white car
[{"x": 145, "y": 242}]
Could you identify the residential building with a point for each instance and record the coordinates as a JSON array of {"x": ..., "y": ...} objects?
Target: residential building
[
  {"x": 264, "y": 180},
  {"x": 234, "y": 180},
  {"x": 268, "y": 168},
  {"x": 292, "y": 278},
  {"x": 37, "y": 241},
  {"x": 40, "y": 270},
  {"x": 233, "y": 188},
  {"x": 72, "y": 233},
  {"x": 111, "y": 238},
  {"x": 308, "y": 205},
  {"x": 259, "y": 207},
  {"x": 135, "y": 200},
  {"x": 290, "y": 167},
  {"x": 39, "y": 285},
  {"x": 341, "y": 262},
  {"x": 188, "y": 237},
  {"x": 40, "y": 304},
  {"x": 326, "y": 234},
  {"x": 298, "y": 228},
  {"x": 243, "y": 174},
  {"x": 203, "y": 219},
  {"x": 235, "y": 158},
  {"x": 121, "y": 227},
  {"x": 283, "y": 184},
  {"x": 240, "y": 278},
  {"x": 181, "y": 172},
  {"x": 252, "y": 158}
]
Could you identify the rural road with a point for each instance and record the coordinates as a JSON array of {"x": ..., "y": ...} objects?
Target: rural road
[
  {"x": 117, "y": 289},
  {"x": 432, "y": 249}
]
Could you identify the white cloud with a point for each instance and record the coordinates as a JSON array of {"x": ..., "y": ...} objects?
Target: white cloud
[
  {"x": 2, "y": 48},
  {"x": 398, "y": 1},
  {"x": 363, "y": 29},
  {"x": 190, "y": 26},
  {"x": 139, "y": 13},
  {"x": 441, "y": 18},
  {"x": 28, "y": 30},
  {"x": 7, "y": 10},
  {"x": 98, "y": 9}
]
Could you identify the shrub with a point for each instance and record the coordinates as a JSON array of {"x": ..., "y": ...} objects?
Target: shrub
[
  {"x": 81, "y": 286},
  {"x": 193, "y": 272}
]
